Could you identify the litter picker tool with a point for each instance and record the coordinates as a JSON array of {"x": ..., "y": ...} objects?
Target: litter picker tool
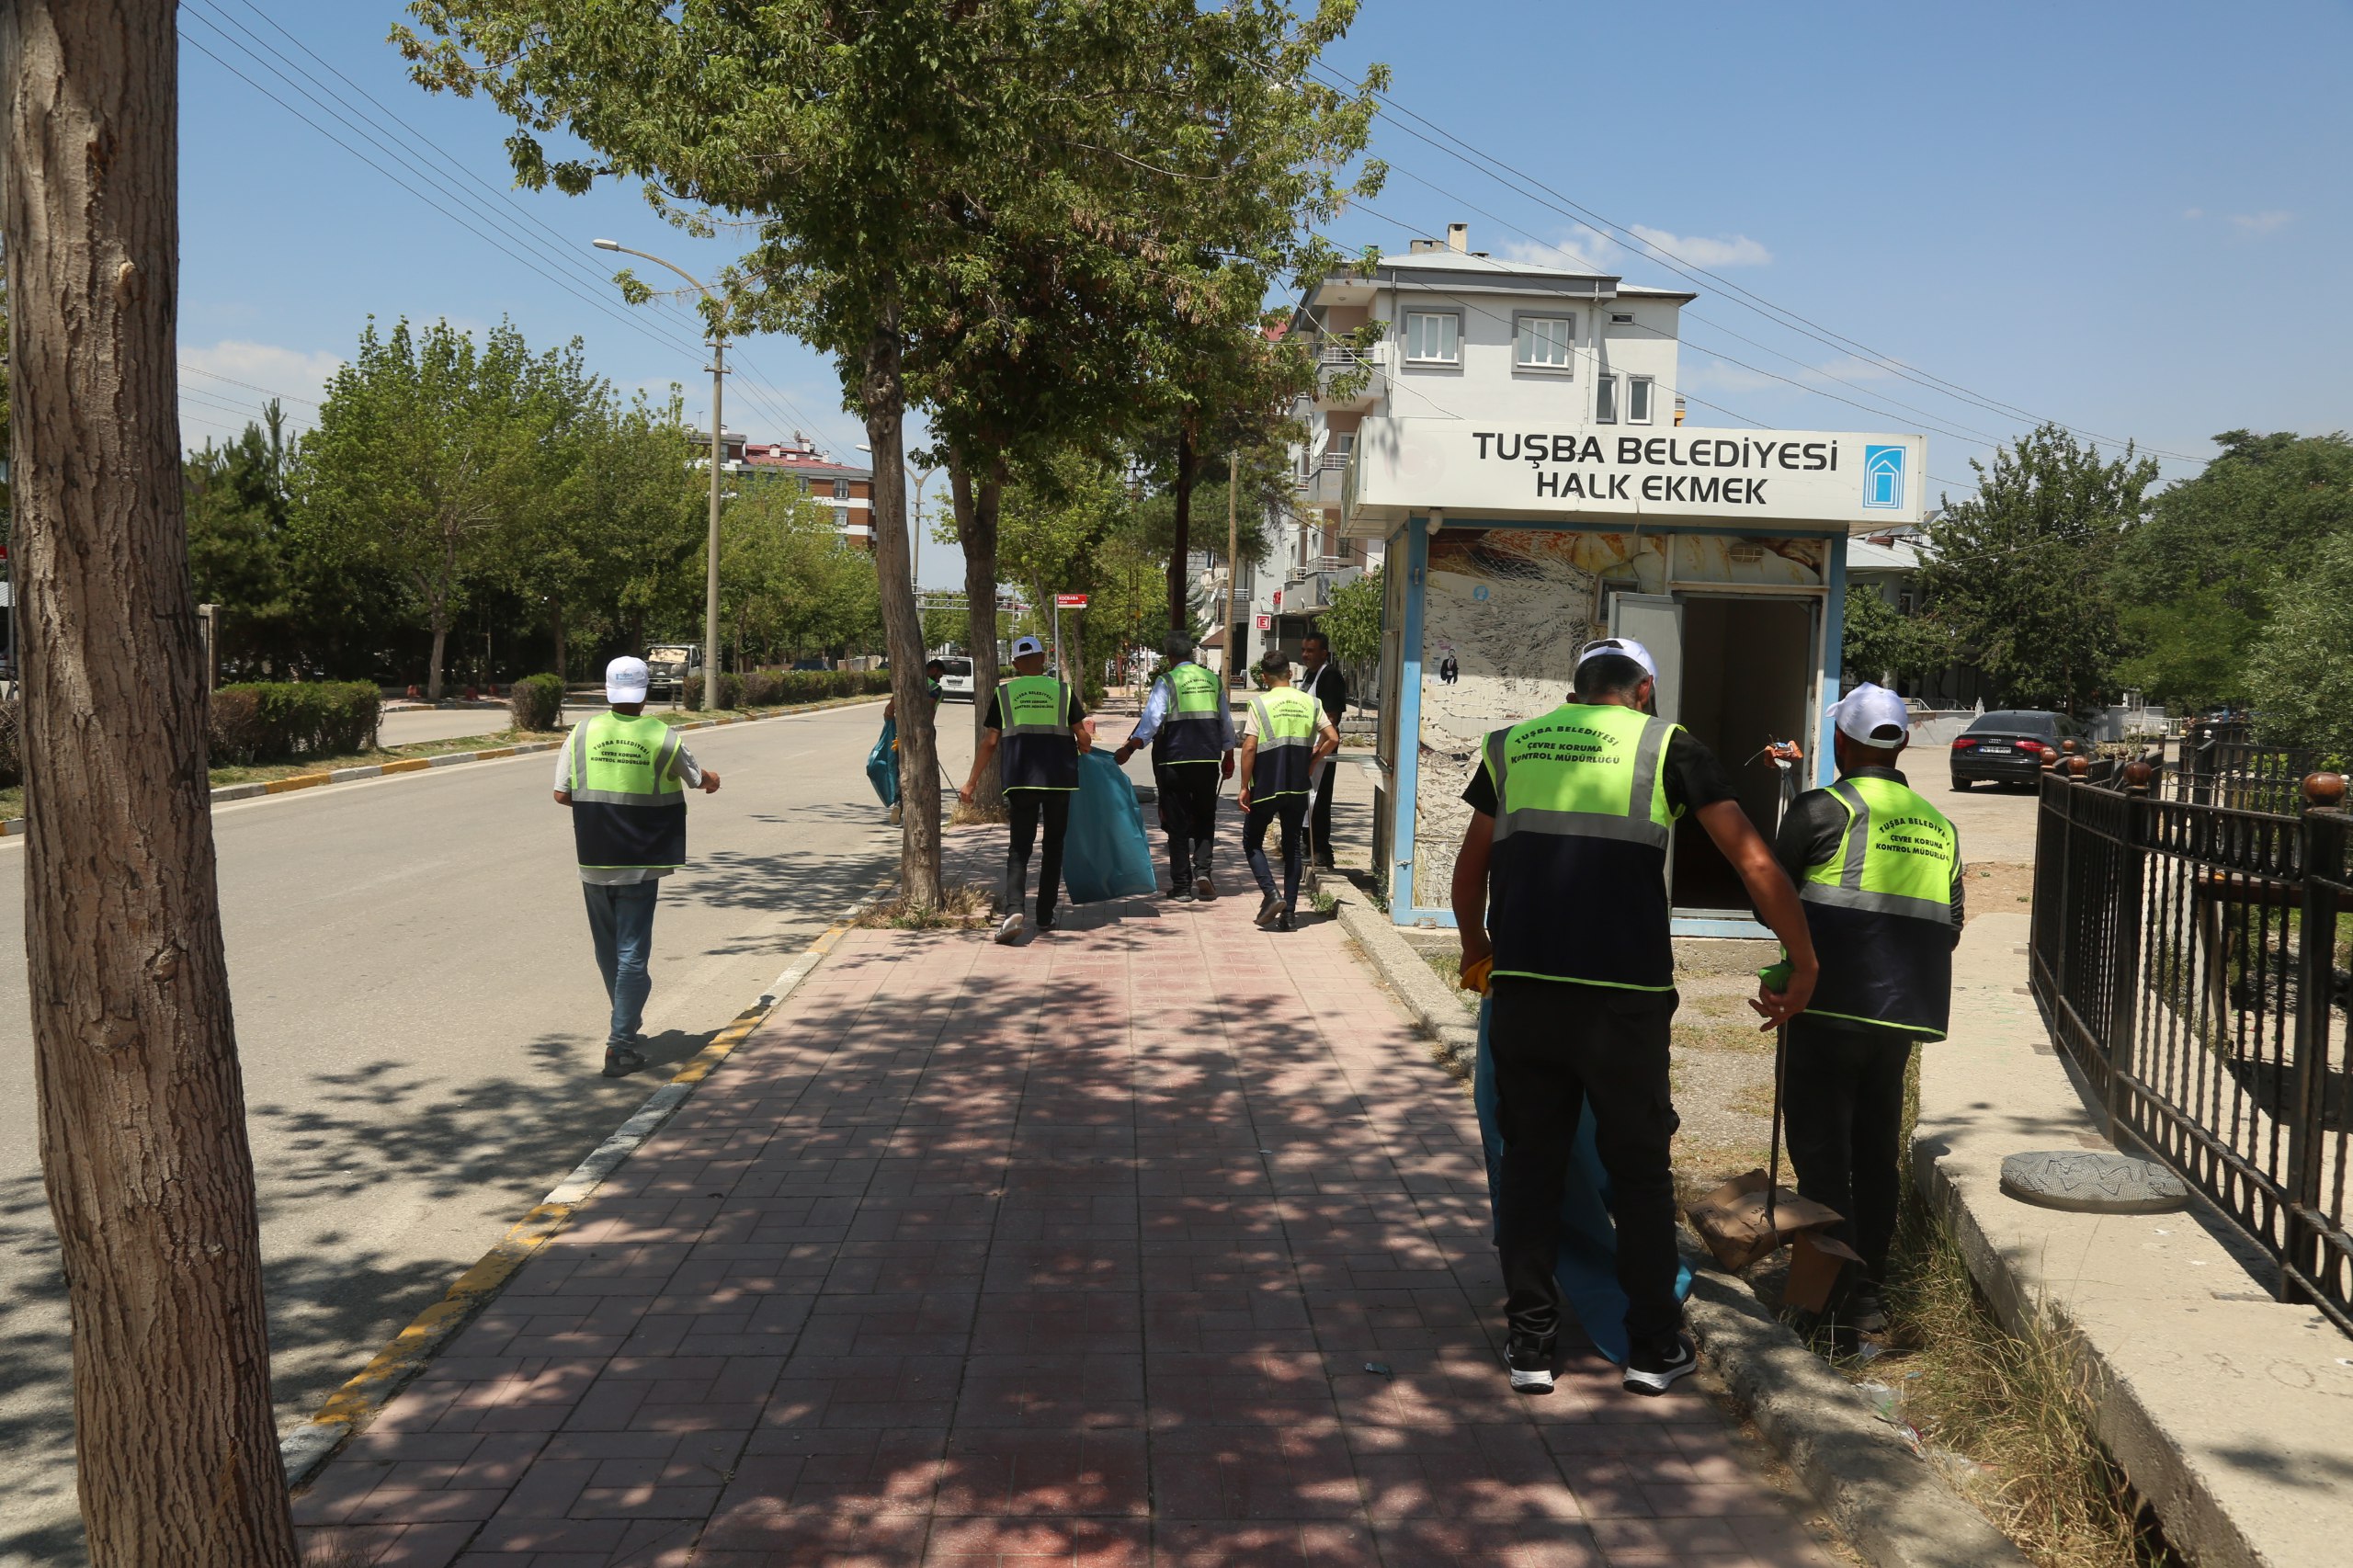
[{"x": 1752, "y": 1215}]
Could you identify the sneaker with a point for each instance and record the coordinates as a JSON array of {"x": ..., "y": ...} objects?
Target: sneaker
[
  {"x": 1282, "y": 921},
  {"x": 893, "y": 818},
  {"x": 1269, "y": 907},
  {"x": 1203, "y": 887},
  {"x": 1529, "y": 1361},
  {"x": 1045, "y": 920},
  {"x": 1009, "y": 928},
  {"x": 1653, "y": 1364},
  {"x": 1184, "y": 894},
  {"x": 620, "y": 1061}
]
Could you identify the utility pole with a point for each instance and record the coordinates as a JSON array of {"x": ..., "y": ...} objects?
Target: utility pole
[
  {"x": 710, "y": 555},
  {"x": 1232, "y": 566}
]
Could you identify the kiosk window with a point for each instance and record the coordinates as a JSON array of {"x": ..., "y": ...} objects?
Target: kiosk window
[
  {"x": 1605, "y": 400},
  {"x": 1430, "y": 336},
  {"x": 1638, "y": 400},
  {"x": 1544, "y": 341}
]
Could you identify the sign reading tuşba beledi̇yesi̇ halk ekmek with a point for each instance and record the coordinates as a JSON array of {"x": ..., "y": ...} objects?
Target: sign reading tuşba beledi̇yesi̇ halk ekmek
[{"x": 1472, "y": 469}]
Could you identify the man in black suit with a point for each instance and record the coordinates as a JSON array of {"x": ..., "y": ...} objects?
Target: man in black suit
[{"x": 1320, "y": 678}]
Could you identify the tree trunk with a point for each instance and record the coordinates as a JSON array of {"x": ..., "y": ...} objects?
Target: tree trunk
[
  {"x": 882, "y": 397},
  {"x": 1181, "y": 546},
  {"x": 141, "y": 1109},
  {"x": 977, "y": 529}
]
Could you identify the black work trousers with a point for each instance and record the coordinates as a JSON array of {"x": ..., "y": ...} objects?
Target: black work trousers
[
  {"x": 1558, "y": 1046},
  {"x": 1029, "y": 806},
  {"x": 1842, "y": 1103},
  {"x": 1292, "y": 812},
  {"x": 1320, "y": 819},
  {"x": 1188, "y": 792}
]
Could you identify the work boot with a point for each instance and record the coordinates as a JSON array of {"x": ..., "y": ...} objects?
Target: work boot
[
  {"x": 1269, "y": 907},
  {"x": 620, "y": 1061},
  {"x": 1282, "y": 921}
]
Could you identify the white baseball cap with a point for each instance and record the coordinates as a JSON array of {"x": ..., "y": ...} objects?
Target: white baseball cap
[
  {"x": 1624, "y": 647},
  {"x": 626, "y": 681},
  {"x": 1022, "y": 645},
  {"x": 1873, "y": 715}
]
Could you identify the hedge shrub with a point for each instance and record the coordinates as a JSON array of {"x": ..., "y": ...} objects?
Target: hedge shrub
[
  {"x": 780, "y": 688},
  {"x": 287, "y": 720},
  {"x": 537, "y": 702}
]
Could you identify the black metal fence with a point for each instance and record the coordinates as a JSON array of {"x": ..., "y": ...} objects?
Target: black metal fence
[
  {"x": 2192, "y": 960},
  {"x": 2223, "y": 766}
]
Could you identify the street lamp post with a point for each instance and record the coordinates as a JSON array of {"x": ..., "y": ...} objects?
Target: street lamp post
[{"x": 718, "y": 460}]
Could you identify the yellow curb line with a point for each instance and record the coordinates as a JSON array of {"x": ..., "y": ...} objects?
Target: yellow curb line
[
  {"x": 348, "y": 1411},
  {"x": 409, "y": 764},
  {"x": 296, "y": 781}
]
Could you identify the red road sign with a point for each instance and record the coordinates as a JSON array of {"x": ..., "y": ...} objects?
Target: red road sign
[
  {"x": 1265, "y": 624},
  {"x": 1070, "y": 601}
]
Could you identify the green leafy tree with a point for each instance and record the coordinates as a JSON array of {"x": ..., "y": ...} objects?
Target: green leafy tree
[
  {"x": 553, "y": 538},
  {"x": 425, "y": 444},
  {"x": 2300, "y": 671},
  {"x": 2199, "y": 580},
  {"x": 1879, "y": 639},
  {"x": 1353, "y": 621},
  {"x": 2020, "y": 572},
  {"x": 237, "y": 544}
]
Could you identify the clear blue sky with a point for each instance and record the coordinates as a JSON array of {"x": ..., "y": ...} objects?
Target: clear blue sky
[{"x": 2132, "y": 218}]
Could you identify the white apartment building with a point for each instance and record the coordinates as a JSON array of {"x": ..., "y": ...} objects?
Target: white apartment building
[{"x": 1512, "y": 447}]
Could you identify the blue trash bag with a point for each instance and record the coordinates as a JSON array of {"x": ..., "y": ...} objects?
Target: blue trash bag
[
  {"x": 1105, "y": 854},
  {"x": 883, "y": 763},
  {"x": 1587, "y": 1270}
]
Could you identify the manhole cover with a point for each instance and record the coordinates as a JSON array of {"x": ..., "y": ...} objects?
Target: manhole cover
[{"x": 2087, "y": 1183}]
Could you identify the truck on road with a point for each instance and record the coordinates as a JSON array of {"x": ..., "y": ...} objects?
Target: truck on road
[{"x": 667, "y": 666}]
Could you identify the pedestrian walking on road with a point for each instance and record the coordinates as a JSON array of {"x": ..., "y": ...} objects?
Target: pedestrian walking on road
[
  {"x": 1189, "y": 724},
  {"x": 932, "y": 691},
  {"x": 1042, "y": 727},
  {"x": 624, "y": 777},
  {"x": 1879, "y": 872},
  {"x": 1289, "y": 734},
  {"x": 1560, "y": 890},
  {"x": 1321, "y": 680}
]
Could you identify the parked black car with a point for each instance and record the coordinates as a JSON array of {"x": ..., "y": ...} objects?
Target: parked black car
[{"x": 2009, "y": 747}]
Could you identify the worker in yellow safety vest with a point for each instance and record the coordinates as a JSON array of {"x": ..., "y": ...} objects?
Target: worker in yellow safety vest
[
  {"x": 1189, "y": 726},
  {"x": 625, "y": 778},
  {"x": 1560, "y": 890},
  {"x": 1878, "y": 871},
  {"x": 1039, "y": 722},
  {"x": 1289, "y": 734}
]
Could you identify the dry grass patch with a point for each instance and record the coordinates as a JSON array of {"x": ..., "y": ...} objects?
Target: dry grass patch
[
  {"x": 960, "y": 907},
  {"x": 2018, "y": 1406}
]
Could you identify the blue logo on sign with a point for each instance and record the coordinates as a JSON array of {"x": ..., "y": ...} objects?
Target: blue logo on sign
[
  {"x": 1480, "y": 592},
  {"x": 1883, "y": 477}
]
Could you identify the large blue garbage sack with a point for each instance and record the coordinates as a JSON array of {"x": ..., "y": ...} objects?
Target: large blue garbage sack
[
  {"x": 1587, "y": 1270},
  {"x": 883, "y": 763},
  {"x": 1105, "y": 854}
]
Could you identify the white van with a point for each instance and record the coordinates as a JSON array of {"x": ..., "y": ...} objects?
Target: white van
[{"x": 955, "y": 680}]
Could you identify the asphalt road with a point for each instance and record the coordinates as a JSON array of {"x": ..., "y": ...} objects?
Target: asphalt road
[{"x": 420, "y": 1023}]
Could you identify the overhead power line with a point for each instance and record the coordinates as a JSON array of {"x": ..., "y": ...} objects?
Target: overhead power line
[{"x": 510, "y": 227}]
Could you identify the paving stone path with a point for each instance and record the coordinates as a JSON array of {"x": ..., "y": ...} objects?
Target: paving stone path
[{"x": 1157, "y": 1240}]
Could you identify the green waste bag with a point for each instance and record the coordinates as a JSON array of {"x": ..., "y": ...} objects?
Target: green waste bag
[{"x": 1105, "y": 854}]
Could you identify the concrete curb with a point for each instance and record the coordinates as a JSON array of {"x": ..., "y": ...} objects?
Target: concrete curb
[
  {"x": 351, "y": 1408},
  {"x": 1889, "y": 1502},
  {"x": 293, "y": 781}
]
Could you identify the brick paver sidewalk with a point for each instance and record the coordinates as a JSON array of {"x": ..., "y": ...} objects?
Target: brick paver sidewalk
[{"x": 1156, "y": 1240}]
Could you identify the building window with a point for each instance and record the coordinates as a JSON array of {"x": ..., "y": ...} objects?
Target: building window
[
  {"x": 841, "y": 490},
  {"x": 1605, "y": 400},
  {"x": 1431, "y": 337},
  {"x": 1638, "y": 400},
  {"x": 1544, "y": 342}
]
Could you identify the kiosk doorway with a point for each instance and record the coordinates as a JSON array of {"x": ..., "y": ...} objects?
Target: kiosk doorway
[{"x": 1747, "y": 674}]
